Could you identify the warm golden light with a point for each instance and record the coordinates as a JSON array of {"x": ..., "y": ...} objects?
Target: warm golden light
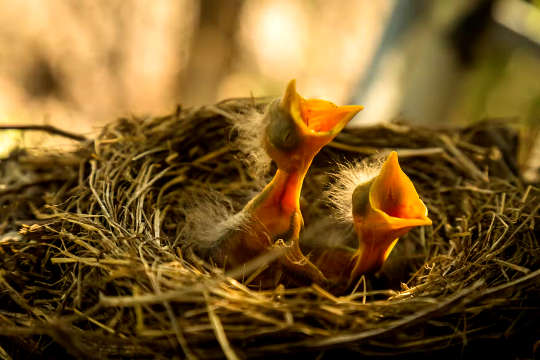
[{"x": 276, "y": 33}]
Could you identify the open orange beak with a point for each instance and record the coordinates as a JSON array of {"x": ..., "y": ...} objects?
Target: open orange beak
[
  {"x": 383, "y": 210},
  {"x": 298, "y": 128},
  {"x": 318, "y": 121}
]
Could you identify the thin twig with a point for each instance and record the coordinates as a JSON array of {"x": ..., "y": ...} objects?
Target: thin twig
[
  {"x": 219, "y": 331},
  {"x": 46, "y": 128}
]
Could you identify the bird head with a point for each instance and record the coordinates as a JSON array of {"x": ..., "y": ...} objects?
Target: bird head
[
  {"x": 298, "y": 128},
  {"x": 386, "y": 208}
]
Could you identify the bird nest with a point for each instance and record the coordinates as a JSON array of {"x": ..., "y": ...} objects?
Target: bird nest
[{"x": 91, "y": 265}]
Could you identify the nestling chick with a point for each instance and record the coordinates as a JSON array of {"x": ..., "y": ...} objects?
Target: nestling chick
[
  {"x": 383, "y": 208},
  {"x": 295, "y": 129}
]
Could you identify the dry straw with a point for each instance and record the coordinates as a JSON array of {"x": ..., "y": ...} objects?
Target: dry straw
[{"x": 91, "y": 263}]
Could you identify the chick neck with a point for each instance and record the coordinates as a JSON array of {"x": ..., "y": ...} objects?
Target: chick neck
[
  {"x": 374, "y": 247},
  {"x": 277, "y": 207}
]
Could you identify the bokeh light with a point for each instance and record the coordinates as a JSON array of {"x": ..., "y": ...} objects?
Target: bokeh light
[{"x": 80, "y": 64}]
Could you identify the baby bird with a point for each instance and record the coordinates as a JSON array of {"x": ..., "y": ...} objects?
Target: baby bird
[
  {"x": 384, "y": 208},
  {"x": 295, "y": 129}
]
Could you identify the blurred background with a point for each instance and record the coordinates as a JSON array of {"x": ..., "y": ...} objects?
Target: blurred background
[{"x": 79, "y": 64}]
